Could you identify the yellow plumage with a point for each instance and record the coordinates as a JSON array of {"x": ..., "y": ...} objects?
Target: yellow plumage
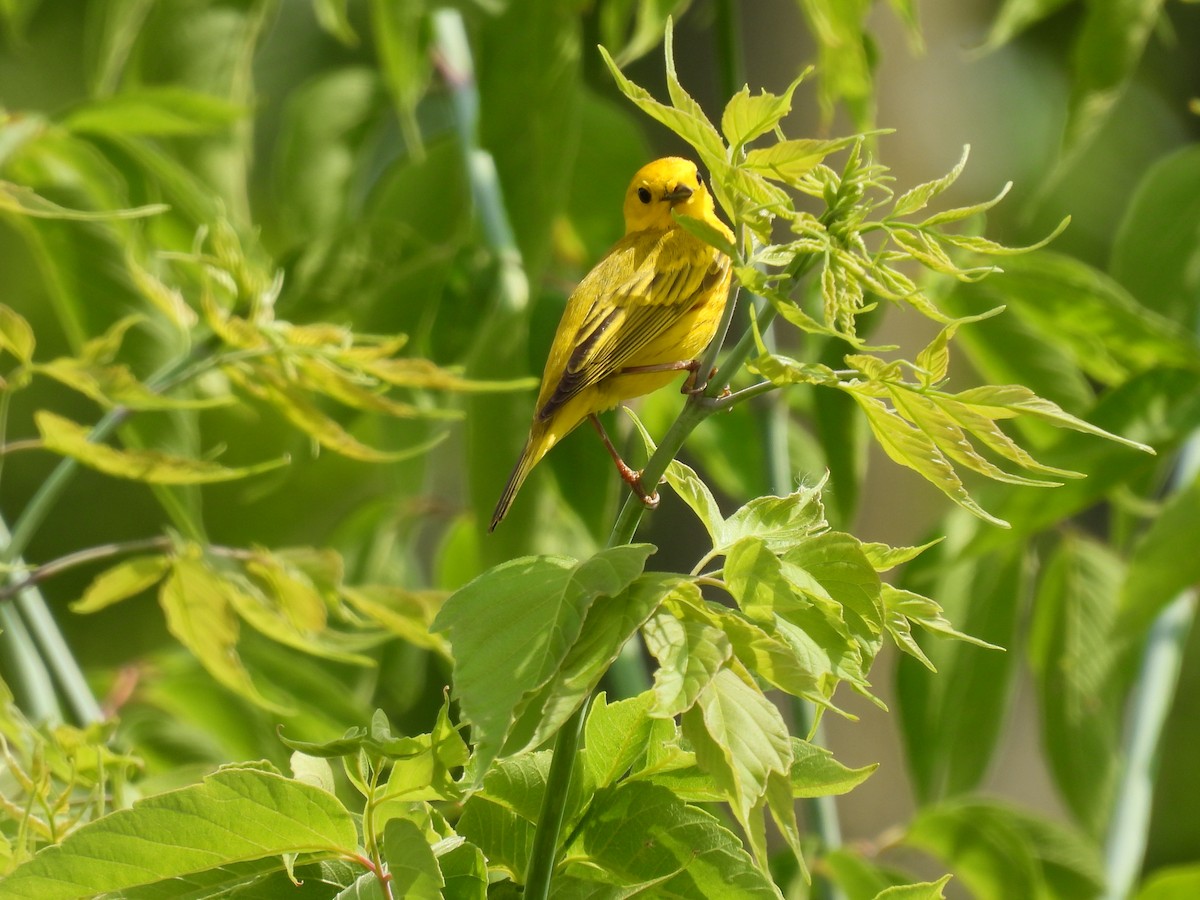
[{"x": 639, "y": 317}]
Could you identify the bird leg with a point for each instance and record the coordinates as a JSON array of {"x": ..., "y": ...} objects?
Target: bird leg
[
  {"x": 691, "y": 366},
  {"x": 630, "y": 476}
]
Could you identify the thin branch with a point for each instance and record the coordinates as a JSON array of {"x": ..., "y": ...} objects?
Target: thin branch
[
  {"x": 18, "y": 446},
  {"x": 81, "y": 557}
]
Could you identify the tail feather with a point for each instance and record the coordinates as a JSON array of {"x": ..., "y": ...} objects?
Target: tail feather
[
  {"x": 525, "y": 465},
  {"x": 537, "y": 447}
]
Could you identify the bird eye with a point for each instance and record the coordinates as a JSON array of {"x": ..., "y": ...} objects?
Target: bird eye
[
  {"x": 643, "y": 195},
  {"x": 699, "y": 180}
]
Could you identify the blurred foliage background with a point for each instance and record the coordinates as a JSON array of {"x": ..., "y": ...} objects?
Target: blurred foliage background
[{"x": 344, "y": 146}]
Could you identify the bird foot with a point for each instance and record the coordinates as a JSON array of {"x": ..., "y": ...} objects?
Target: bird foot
[
  {"x": 692, "y": 389},
  {"x": 650, "y": 501}
]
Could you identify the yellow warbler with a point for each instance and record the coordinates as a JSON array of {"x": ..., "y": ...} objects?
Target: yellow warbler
[{"x": 643, "y": 314}]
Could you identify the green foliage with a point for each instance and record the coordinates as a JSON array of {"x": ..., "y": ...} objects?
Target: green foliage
[{"x": 265, "y": 310}]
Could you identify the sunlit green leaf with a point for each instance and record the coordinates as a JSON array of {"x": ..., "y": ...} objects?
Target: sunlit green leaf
[
  {"x": 747, "y": 117},
  {"x": 916, "y": 199},
  {"x": 413, "y": 868},
  {"x": 69, "y": 439},
  {"x": 200, "y": 615},
  {"x": 162, "y": 110},
  {"x": 236, "y": 814},
  {"x": 926, "y": 890},
  {"x": 739, "y": 738},
  {"x": 334, "y": 18},
  {"x": 642, "y": 835},
  {"x": 523, "y": 617},
  {"x": 913, "y": 448},
  {"x": 124, "y": 580},
  {"x": 789, "y": 160},
  {"x": 16, "y": 336},
  {"x": 1104, "y": 58},
  {"x": 607, "y": 627},
  {"x": 15, "y": 198},
  {"x": 1162, "y": 564},
  {"x": 690, "y": 652}
]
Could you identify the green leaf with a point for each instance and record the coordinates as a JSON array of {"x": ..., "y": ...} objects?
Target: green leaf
[
  {"x": 350, "y": 743},
  {"x": 844, "y": 59},
  {"x": 116, "y": 385},
  {"x": 926, "y": 890},
  {"x": 884, "y": 558},
  {"x": 695, "y": 493},
  {"x": 1155, "y": 251},
  {"x": 1108, "y": 333},
  {"x": 790, "y": 161},
  {"x": 1163, "y": 563},
  {"x": 298, "y": 408},
  {"x": 999, "y": 851},
  {"x": 607, "y": 627},
  {"x": 1078, "y": 675},
  {"x": 238, "y": 813},
  {"x": 739, "y": 738},
  {"x": 911, "y": 447},
  {"x": 795, "y": 612},
  {"x": 786, "y": 658},
  {"x": 903, "y": 609},
  {"x": 1003, "y": 401},
  {"x": 746, "y": 117},
  {"x": 1159, "y": 407},
  {"x": 640, "y": 835},
  {"x": 200, "y": 615},
  {"x": 644, "y": 33},
  {"x": 284, "y": 605},
  {"x": 124, "y": 580},
  {"x": 815, "y": 773},
  {"x": 779, "y": 522},
  {"x": 500, "y": 820},
  {"x": 1176, "y": 883},
  {"x": 332, "y": 16},
  {"x": 951, "y": 721},
  {"x": 1104, "y": 58},
  {"x": 16, "y": 337},
  {"x": 1015, "y": 16},
  {"x": 410, "y": 861},
  {"x": 465, "y": 873},
  {"x": 159, "y": 111},
  {"x": 615, "y": 735},
  {"x": 688, "y": 122},
  {"x": 917, "y": 198},
  {"x": 401, "y": 45},
  {"x": 714, "y": 237},
  {"x": 406, "y": 614},
  {"x": 522, "y": 618},
  {"x": 67, "y": 438},
  {"x": 15, "y": 198},
  {"x": 690, "y": 652}
]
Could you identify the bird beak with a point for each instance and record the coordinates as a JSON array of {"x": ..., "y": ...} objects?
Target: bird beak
[{"x": 682, "y": 192}]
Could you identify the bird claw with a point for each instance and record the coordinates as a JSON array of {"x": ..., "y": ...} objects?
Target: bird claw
[
  {"x": 650, "y": 501},
  {"x": 691, "y": 389}
]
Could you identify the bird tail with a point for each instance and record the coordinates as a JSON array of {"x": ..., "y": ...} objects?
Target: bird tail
[{"x": 535, "y": 448}]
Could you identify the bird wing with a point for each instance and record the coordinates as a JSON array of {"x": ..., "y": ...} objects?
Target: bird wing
[{"x": 631, "y": 298}]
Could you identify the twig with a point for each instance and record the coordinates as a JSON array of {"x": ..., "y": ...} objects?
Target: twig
[{"x": 104, "y": 551}]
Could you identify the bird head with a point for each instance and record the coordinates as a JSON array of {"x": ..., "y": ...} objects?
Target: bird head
[{"x": 667, "y": 184}]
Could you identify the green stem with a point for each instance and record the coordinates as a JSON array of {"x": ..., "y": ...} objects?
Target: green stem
[
  {"x": 1149, "y": 706},
  {"x": 730, "y": 60},
  {"x": 25, "y": 671},
  {"x": 31, "y": 609},
  {"x": 554, "y": 806}
]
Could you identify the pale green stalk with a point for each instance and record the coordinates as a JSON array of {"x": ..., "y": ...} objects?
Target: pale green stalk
[{"x": 1149, "y": 706}]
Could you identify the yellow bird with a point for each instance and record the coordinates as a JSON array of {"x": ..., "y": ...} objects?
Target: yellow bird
[{"x": 643, "y": 314}]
